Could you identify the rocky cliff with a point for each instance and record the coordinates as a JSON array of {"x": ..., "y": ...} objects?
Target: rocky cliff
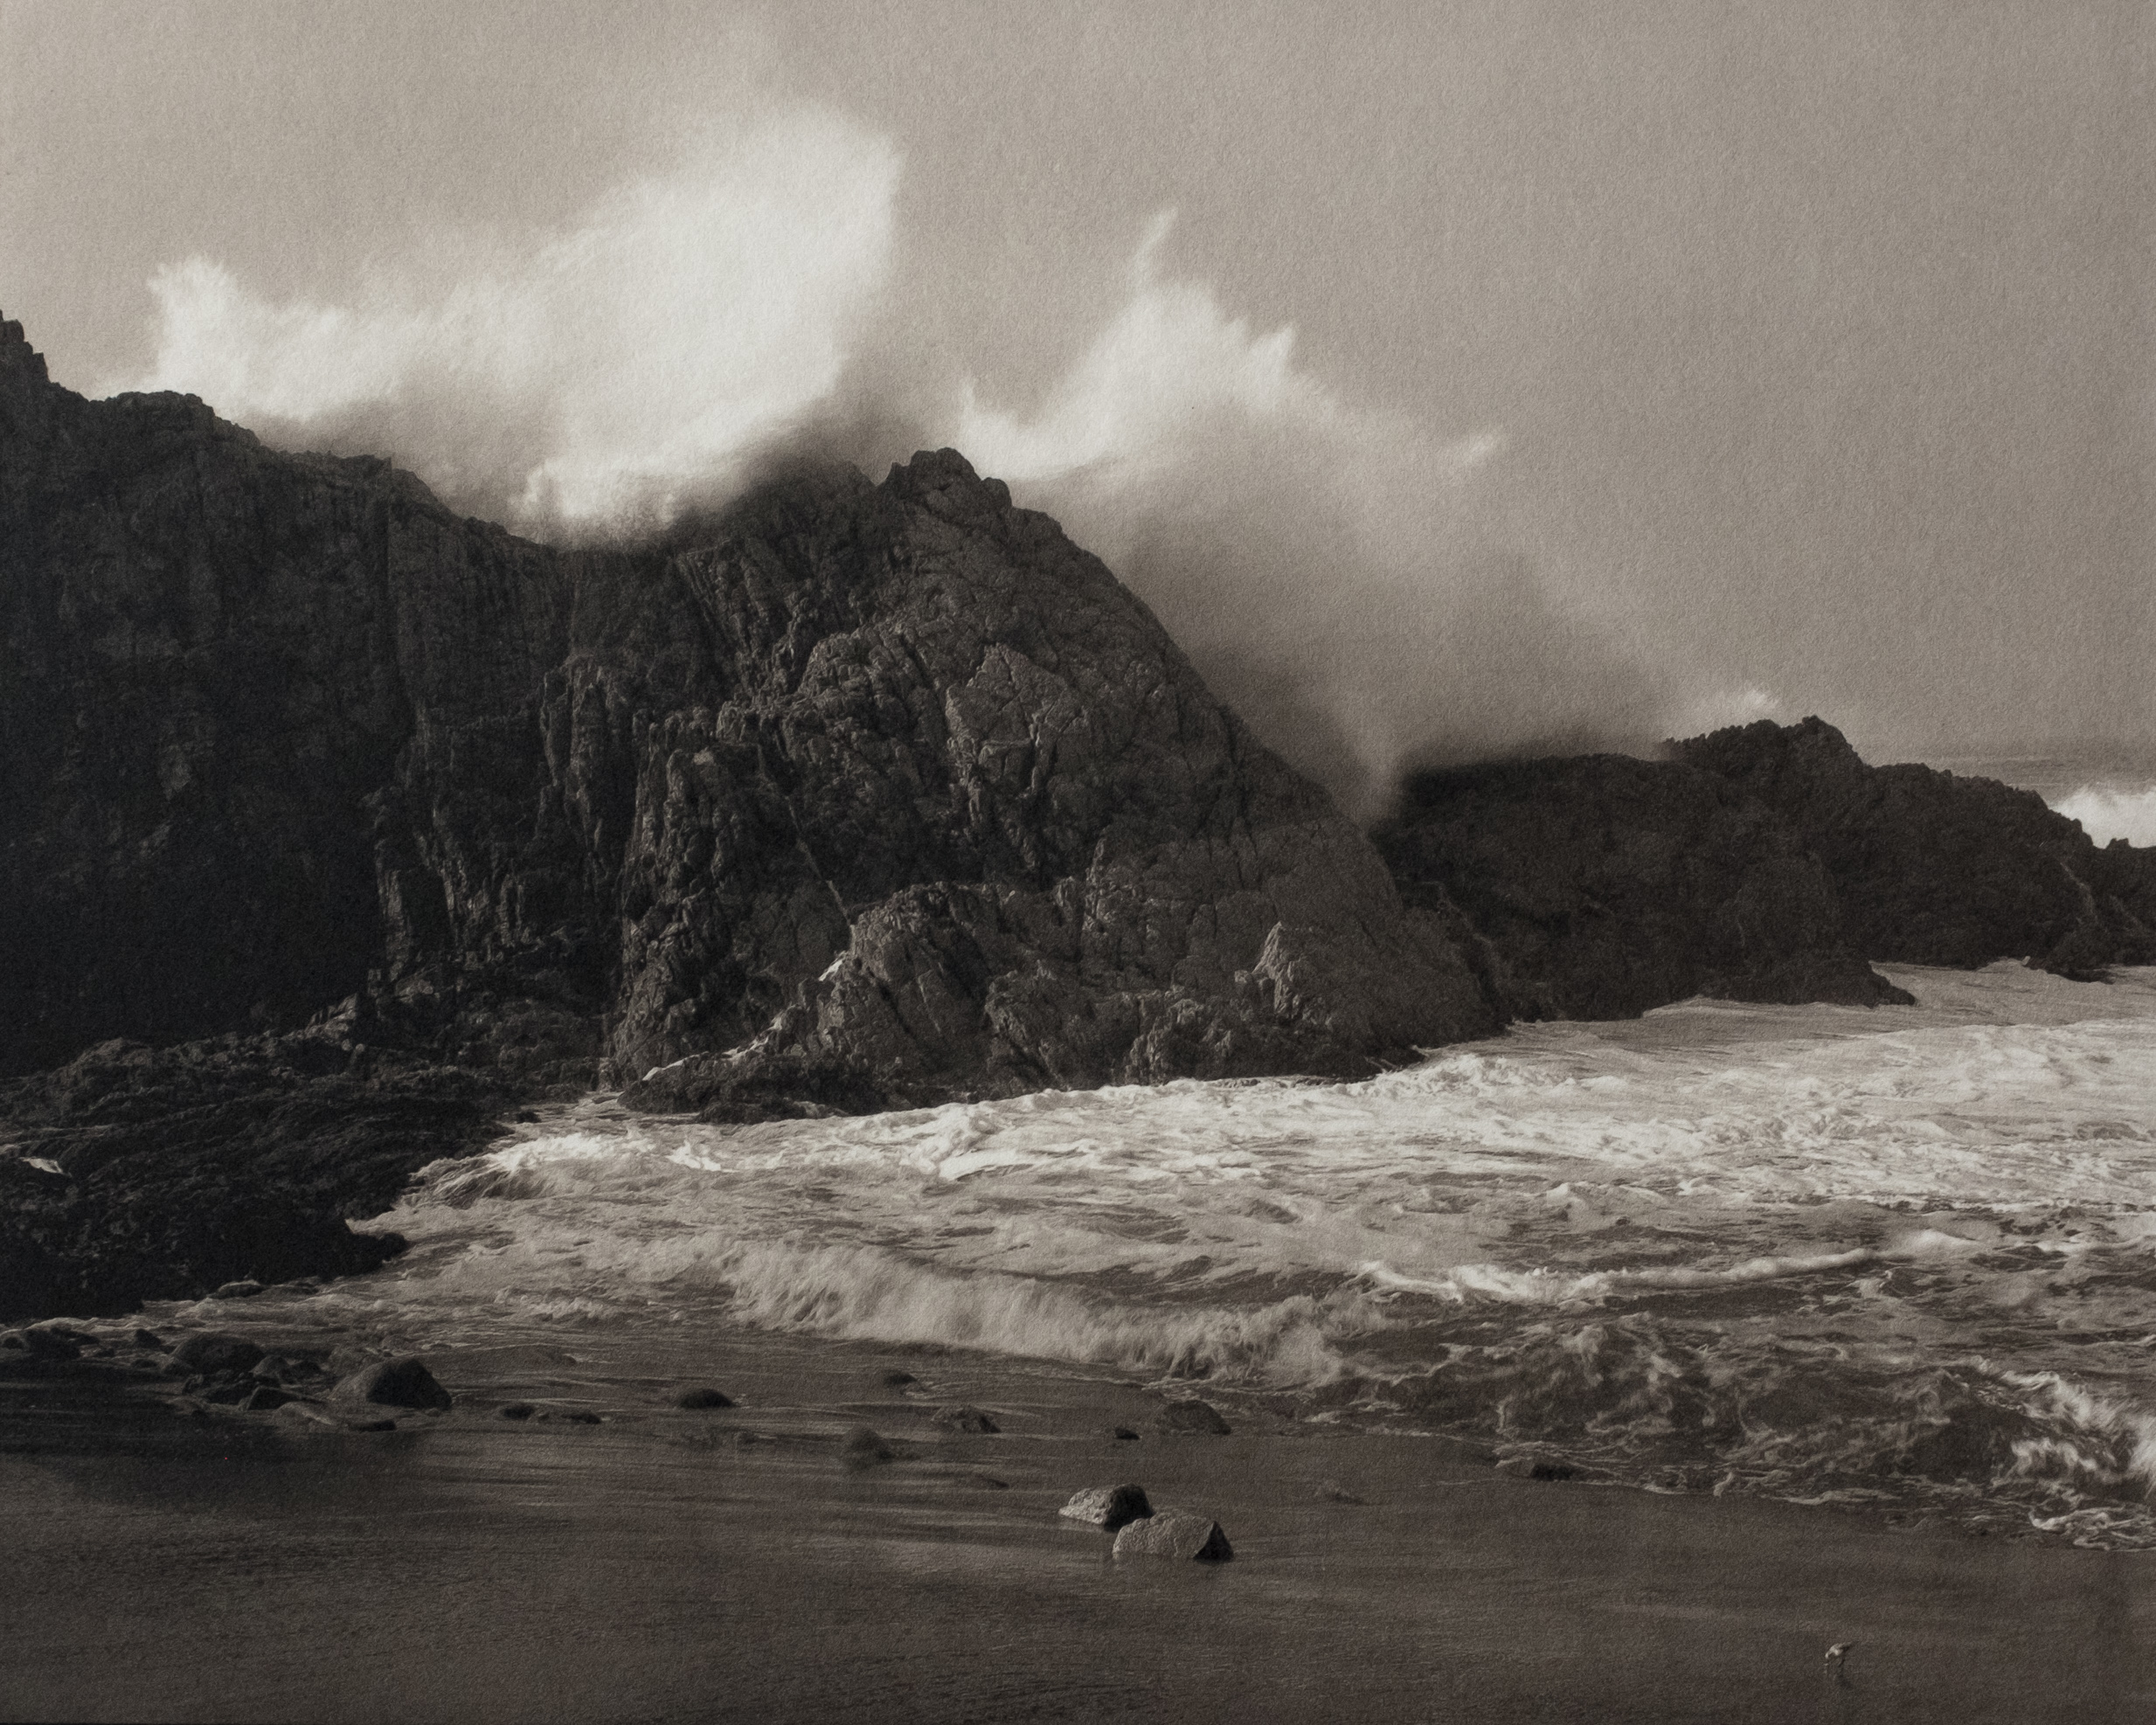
[
  {"x": 855, "y": 795},
  {"x": 332, "y": 825},
  {"x": 890, "y": 782},
  {"x": 1763, "y": 862},
  {"x": 1934, "y": 869},
  {"x": 1601, "y": 887}
]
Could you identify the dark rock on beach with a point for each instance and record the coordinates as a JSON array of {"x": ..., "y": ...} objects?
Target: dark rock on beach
[
  {"x": 703, "y": 1398},
  {"x": 1175, "y": 1533},
  {"x": 1198, "y": 1418},
  {"x": 1107, "y": 1507},
  {"x": 389, "y": 1383},
  {"x": 516, "y": 1410},
  {"x": 864, "y": 1447},
  {"x": 215, "y": 1351},
  {"x": 971, "y": 1420},
  {"x": 1536, "y": 1467}
]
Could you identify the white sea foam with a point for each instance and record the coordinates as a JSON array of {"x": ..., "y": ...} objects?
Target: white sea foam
[
  {"x": 1869, "y": 1249},
  {"x": 2108, "y": 812}
]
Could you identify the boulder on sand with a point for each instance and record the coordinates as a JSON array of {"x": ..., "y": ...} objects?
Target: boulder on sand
[
  {"x": 864, "y": 1447},
  {"x": 1193, "y": 1417},
  {"x": 964, "y": 1419},
  {"x": 703, "y": 1397},
  {"x": 389, "y": 1383},
  {"x": 1175, "y": 1533},
  {"x": 1108, "y": 1507},
  {"x": 215, "y": 1351}
]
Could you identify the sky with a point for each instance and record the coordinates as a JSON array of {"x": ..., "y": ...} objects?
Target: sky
[{"x": 1453, "y": 379}]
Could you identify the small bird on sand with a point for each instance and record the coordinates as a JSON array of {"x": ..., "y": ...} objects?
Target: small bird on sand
[{"x": 1839, "y": 1651}]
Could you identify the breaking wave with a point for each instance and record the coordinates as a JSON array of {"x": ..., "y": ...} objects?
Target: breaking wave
[{"x": 1905, "y": 1258}]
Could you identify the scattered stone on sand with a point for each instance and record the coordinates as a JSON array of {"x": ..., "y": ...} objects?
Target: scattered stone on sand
[
  {"x": 215, "y": 1351},
  {"x": 897, "y": 1380},
  {"x": 242, "y": 1290},
  {"x": 581, "y": 1416},
  {"x": 265, "y": 1398},
  {"x": 1191, "y": 1416},
  {"x": 863, "y": 1447},
  {"x": 517, "y": 1410},
  {"x": 1108, "y": 1507},
  {"x": 1123, "y": 1434},
  {"x": 964, "y": 1419},
  {"x": 304, "y": 1413},
  {"x": 1330, "y": 1493},
  {"x": 1175, "y": 1533},
  {"x": 704, "y": 1397},
  {"x": 389, "y": 1383},
  {"x": 1535, "y": 1468}
]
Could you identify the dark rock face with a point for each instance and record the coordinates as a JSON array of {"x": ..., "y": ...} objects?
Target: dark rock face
[
  {"x": 1601, "y": 886},
  {"x": 186, "y": 1168},
  {"x": 1933, "y": 868},
  {"x": 891, "y": 787}
]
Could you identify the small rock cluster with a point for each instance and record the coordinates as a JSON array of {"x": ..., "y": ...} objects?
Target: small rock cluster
[{"x": 1143, "y": 1531}]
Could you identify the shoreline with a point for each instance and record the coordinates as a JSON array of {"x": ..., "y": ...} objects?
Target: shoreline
[{"x": 652, "y": 1565}]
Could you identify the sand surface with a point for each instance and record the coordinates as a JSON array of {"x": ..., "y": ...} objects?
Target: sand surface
[{"x": 653, "y": 1566}]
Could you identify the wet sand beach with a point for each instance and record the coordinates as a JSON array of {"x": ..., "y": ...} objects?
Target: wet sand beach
[{"x": 656, "y": 1566}]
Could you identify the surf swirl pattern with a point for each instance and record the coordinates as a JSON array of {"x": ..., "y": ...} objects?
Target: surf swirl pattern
[{"x": 1904, "y": 1258}]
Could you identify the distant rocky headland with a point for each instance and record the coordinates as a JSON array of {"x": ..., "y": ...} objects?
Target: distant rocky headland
[{"x": 335, "y": 828}]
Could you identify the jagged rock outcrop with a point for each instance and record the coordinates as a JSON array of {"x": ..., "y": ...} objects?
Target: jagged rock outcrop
[
  {"x": 1936, "y": 869},
  {"x": 1601, "y": 886},
  {"x": 892, "y": 789},
  {"x": 135, "y": 1173}
]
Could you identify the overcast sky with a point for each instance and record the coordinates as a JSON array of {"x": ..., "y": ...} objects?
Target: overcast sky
[{"x": 1781, "y": 359}]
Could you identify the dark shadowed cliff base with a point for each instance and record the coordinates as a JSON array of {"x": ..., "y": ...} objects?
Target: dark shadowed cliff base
[{"x": 333, "y": 827}]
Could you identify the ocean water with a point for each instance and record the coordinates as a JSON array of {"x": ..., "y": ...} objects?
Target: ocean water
[{"x": 1902, "y": 1259}]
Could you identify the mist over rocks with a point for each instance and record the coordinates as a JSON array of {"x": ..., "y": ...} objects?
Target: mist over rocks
[
  {"x": 332, "y": 825},
  {"x": 328, "y": 817}
]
